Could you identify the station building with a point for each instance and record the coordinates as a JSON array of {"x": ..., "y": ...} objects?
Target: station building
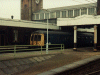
[
  {"x": 66, "y": 14},
  {"x": 19, "y": 31},
  {"x": 32, "y": 10}
]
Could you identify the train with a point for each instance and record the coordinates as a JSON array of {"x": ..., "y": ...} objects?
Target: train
[{"x": 39, "y": 38}]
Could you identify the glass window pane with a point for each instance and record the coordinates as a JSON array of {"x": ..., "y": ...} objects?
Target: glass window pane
[
  {"x": 58, "y": 14},
  {"x": 70, "y": 13},
  {"x": 83, "y": 11},
  {"x": 76, "y": 12},
  {"x": 33, "y": 17},
  {"x": 37, "y": 38},
  {"x": 52, "y": 15},
  {"x": 37, "y": 16},
  {"x": 91, "y": 11},
  {"x": 42, "y": 16},
  {"x": 46, "y": 15},
  {"x": 63, "y": 14}
]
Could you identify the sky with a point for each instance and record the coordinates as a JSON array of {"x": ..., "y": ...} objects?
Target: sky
[{"x": 13, "y": 7}]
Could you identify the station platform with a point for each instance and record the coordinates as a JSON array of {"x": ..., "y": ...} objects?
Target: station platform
[{"x": 33, "y": 63}]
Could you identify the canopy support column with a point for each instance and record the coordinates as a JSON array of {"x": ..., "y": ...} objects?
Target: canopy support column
[
  {"x": 95, "y": 37},
  {"x": 75, "y": 38}
]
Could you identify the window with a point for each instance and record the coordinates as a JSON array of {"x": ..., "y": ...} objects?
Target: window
[
  {"x": 32, "y": 38},
  {"x": 83, "y": 11},
  {"x": 37, "y": 16},
  {"x": 25, "y": 5},
  {"x": 91, "y": 11},
  {"x": 76, "y": 12},
  {"x": 63, "y": 14},
  {"x": 42, "y": 16},
  {"x": 58, "y": 14},
  {"x": 37, "y": 38},
  {"x": 46, "y": 15},
  {"x": 15, "y": 35},
  {"x": 33, "y": 17},
  {"x": 52, "y": 15},
  {"x": 70, "y": 13}
]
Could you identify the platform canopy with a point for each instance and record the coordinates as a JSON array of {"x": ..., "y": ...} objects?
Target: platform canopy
[
  {"x": 80, "y": 20},
  {"x": 27, "y": 24}
]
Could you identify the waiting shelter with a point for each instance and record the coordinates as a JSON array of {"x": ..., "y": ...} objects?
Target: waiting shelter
[{"x": 88, "y": 20}]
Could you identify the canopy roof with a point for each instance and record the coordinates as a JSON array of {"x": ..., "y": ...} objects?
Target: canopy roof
[
  {"x": 80, "y": 20},
  {"x": 27, "y": 24}
]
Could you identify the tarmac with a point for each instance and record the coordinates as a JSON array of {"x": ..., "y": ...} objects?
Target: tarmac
[{"x": 11, "y": 63}]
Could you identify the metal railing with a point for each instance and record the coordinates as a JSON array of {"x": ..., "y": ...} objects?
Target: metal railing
[{"x": 23, "y": 48}]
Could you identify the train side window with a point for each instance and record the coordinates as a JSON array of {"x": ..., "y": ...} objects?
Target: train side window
[
  {"x": 49, "y": 38},
  {"x": 37, "y": 38}
]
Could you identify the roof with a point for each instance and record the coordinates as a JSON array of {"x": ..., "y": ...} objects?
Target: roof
[
  {"x": 51, "y": 32},
  {"x": 68, "y": 7},
  {"x": 80, "y": 20},
  {"x": 26, "y": 24}
]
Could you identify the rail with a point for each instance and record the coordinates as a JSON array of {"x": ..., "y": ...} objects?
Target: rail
[{"x": 22, "y": 48}]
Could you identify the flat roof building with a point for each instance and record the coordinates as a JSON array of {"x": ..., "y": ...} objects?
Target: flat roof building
[{"x": 65, "y": 12}]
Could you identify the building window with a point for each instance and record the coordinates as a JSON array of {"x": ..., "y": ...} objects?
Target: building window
[
  {"x": 37, "y": 16},
  {"x": 46, "y": 15},
  {"x": 70, "y": 13},
  {"x": 76, "y": 12},
  {"x": 58, "y": 14},
  {"x": 91, "y": 11},
  {"x": 63, "y": 14},
  {"x": 83, "y": 11},
  {"x": 41, "y": 15},
  {"x": 52, "y": 15},
  {"x": 15, "y": 35},
  {"x": 25, "y": 6},
  {"x": 34, "y": 17}
]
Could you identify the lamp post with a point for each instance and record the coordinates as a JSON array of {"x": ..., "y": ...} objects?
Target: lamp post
[{"x": 47, "y": 37}]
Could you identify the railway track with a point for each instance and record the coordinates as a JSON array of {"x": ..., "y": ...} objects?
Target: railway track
[{"x": 94, "y": 73}]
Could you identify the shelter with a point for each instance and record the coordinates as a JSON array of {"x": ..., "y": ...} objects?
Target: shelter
[
  {"x": 19, "y": 31},
  {"x": 86, "y": 20}
]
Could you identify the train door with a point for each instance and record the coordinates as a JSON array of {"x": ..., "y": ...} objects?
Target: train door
[{"x": 2, "y": 40}]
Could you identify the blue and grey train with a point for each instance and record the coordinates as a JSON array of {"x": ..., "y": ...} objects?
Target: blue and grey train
[{"x": 58, "y": 37}]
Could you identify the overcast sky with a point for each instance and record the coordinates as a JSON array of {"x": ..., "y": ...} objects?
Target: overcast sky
[{"x": 12, "y": 7}]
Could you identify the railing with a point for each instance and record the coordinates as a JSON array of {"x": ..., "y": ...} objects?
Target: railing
[{"x": 19, "y": 48}]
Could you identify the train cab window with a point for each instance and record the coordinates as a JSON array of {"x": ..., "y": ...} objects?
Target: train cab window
[
  {"x": 32, "y": 38},
  {"x": 37, "y": 38}
]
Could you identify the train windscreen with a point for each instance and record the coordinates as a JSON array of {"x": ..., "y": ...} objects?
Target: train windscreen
[
  {"x": 32, "y": 38},
  {"x": 37, "y": 38}
]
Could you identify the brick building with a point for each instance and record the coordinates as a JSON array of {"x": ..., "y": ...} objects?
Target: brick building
[{"x": 30, "y": 6}]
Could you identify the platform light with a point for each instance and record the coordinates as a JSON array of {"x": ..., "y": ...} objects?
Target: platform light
[{"x": 47, "y": 34}]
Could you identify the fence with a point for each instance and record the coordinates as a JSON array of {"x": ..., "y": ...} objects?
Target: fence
[{"x": 18, "y": 48}]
